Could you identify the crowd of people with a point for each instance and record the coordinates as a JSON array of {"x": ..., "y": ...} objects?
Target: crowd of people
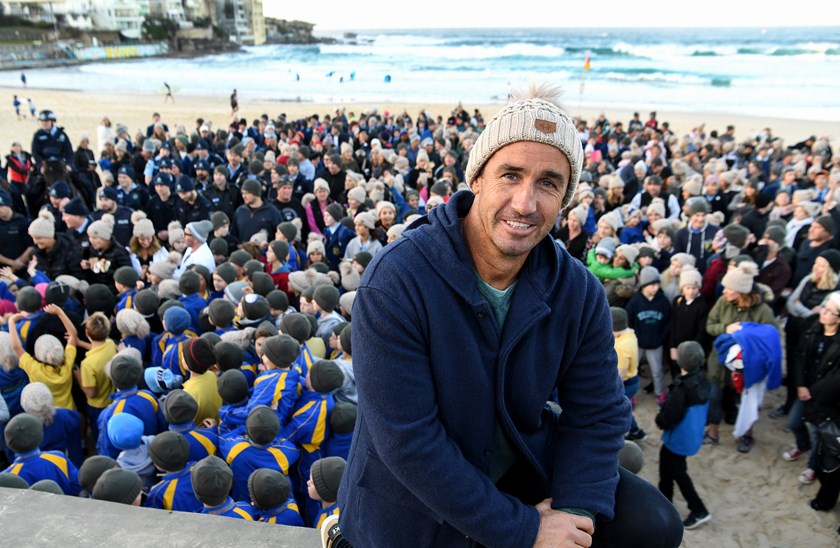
[{"x": 177, "y": 306}]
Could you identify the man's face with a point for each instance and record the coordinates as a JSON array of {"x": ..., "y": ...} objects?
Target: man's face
[
  {"x": 163, "y": 191},
  {"x": 234, "y": 158},
  {"x": 190, "y": 241},
  {"x": 284, "y": 193},
  {"x": 106, "y": 204},
  {"x": 124, "y": 180},
  {"x": 201, "y": 174},
  {"x": 698, "y": 220},
  {"x": 653, "y": 189},
  {"x": 248, "y": 198},
  {"x": 46, "y": 125},
  {"x": 72, "y": 221},
  {"x": 517, "y": 198},
  {"x": 187, "y": 196},
  {"x": 816, "y": 233},
  {"x": 219, "y": 180}
]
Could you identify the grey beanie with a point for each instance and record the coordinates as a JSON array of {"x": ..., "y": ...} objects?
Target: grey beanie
[
  {"x": 127, "y": 276},
  {"x": 277, "y": 300},
  {"x": 736, "y": 235},
  {"x": 697, "y": 205},
  {"x": 47, "y": 486},
  {"x": 648, "y": 275},
  {"x": 200, "y": 230},
  {"x": 537, "y": 117},
  {"x": 326, "y": 475},
  {"x": 690, "y": 356},
  {"x": 24, "y": 433},
  {"x": 289, "y": 231},
  {"x": 631, "y": 457},
  {"x": 179, "y": 407},
  {"x": 11, "y": 481},
  {"x": 240, "y": 257},
  {"x": 93, "y": 468},
  {"x": 335, "y": 211},
  {"x": 221, "y": 312},
  {"x": 170, "y": 451},
  {"x": 125, "y": 371},
  {"x": 268, "y": 488},
  {"x": 281, "y": 350},
  {"x": 343, "y": 417},
  {"x": 146, "y": 302},
  {"x": 262, "y": 283},
  {"x": 345, "y": 339},
  {"x": 229, "y": 355},
  {"x": 117, "y": 485},
  {"x": 262, "y": 425},
  {"x": 280, "y": 249},
  {"x": 211, "y": 480},
  {"x": 234, "y": 292},
  {"x": 326, "y": 297},
  {"x": 189, "y": 283},
  {"x": 255, "y": 306},
  {"x": 28, "y": 299},
  {"x": 297, "y": 326},
  {"x": 232, "y": 386},
  {"x": 619, "y": 318},
  {"x": 227, "y": 272},
  {"x": 325, "y": 376}
]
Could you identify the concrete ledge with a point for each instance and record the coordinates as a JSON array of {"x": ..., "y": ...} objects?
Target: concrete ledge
[{"x": 32, "y": 518}]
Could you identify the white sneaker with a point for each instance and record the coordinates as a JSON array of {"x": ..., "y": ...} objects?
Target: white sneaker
[{"x": 807, "y": 477}]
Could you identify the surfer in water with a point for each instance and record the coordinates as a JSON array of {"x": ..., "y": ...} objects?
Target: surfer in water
[{"x": 168, "y": 93}]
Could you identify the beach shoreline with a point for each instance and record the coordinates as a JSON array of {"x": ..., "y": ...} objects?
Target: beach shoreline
[{"x": 80, "y": 112}]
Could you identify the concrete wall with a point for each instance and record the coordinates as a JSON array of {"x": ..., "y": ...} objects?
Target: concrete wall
[{"x": 31, "y": 518}]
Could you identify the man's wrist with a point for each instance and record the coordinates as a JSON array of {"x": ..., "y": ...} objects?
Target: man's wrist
[{"x": 579, "y": 512}]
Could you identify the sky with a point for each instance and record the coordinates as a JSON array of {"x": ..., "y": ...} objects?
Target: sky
[{"x": 342, "y": 15}]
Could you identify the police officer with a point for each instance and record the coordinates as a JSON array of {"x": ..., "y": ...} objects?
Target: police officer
[
  {"x": 205, "y": 152},
  {"x": 129, "y": 193},
  {"x": 202, "y": 176},
  {"x": 193, "y": 207},
  {"x": 163, "y": 206},
  {"x": 223, "y": 195},
  {"x": 76, "y": 216},
  {"x": 15, "y": 242},
  {"x": 109, "y": 203},
  {"x": 51, "y": 139},
  {"x": 59, "y": 194}
]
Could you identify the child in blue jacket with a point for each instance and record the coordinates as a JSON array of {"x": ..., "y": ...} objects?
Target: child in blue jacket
[
  {"x": 271, "y": 496},
  {"x": 683, "y": 419},
  {"x": 170, "y": 454},
  {"x": 649, "y": 314}
]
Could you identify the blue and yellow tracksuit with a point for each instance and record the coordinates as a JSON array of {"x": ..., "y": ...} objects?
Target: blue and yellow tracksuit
[
  {"x": 174, "y": 492},
  {"x": 163, "y": 345},
  {"x": 25, "y": 325},
  {"x": 141, "y": 404},
  {"x": 37, "y": 465},
  {"x": 232, "y": 419},
  {"x": 285, "y": 514},
  {"x": 63, "y": 435},
  {"x": 125, "y": 300},
  {"x": 142, "y": 345},
  {"x": 338, "y": 445},
  {"x": 304, "y": 361},
  {"x": 231, "y": 509},
  {"x": 203, "y": 441},
  {"x": 308, "y": 429},
  {"x": 244, "y": 456},
  {"x": 250, "y": 366},
  {"x": 194, "y": 304},
  {"x": 322, "y": 514},
  {"x": 278, "y": 389}
]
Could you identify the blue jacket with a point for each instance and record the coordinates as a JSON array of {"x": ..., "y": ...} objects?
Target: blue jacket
[
  {"x": 762, "y": 352},
  {"x": 232, "y": 418},
  {"x": 194, "y": 305},
  {"x": 63, "y": 435},
  {"x": 419, "y": 466},
  {"x": 683, "y": 415},
  {"x": 651, "y": 319},
  {"x": 243, "y": 456},
  {"x": 203, "y": 441},
  {"x": 39, "y": 465},
  {"x": 338, "y": 445},
  {"x": 141, "y": 404},
  {"x": 126, "y": 300},
  {"x": 231, "y": 509},
  {"x": 285, "y": 514},
  {"x": 174, "y": 492},
  {"x": 277, "y": 389}
]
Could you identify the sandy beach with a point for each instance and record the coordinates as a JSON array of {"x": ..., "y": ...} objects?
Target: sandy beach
[
  {"x": 80, "y": 113},
  {"x": 755, "y": 498}
]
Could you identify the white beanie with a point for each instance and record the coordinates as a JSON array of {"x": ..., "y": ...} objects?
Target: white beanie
[
  {"x": 534, "y": 116},
  {"x": 48, "y": 350},
  {"x": 741, "y": 277}
]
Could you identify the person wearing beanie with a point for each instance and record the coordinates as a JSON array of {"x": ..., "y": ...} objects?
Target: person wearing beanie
[
  {"x": 199, "y": 358},
  {"x": 254, "y": 214},
  {"x": 91, "y": 470},
  {"x": 325, "y": 300},
  {"x": 61, "y": 426},
  {"x": 197, "y": 251},
  {"x": 688, "y": 314},
  {"x": 277, "y": 386},
  {"x": 170, "y": 453},
  {"x": 11, "y": 481},
  {"x": 334, "y": 347},
  {"x": 180, "y": 410},
  {"x": 28, "y": 302},
  {"x": 212, "y": 480},
  {"x": 262, "y": 283},
  {"x": 221, "y": 312},
  {"x": 234, "y": 390},
  {"x": 736, "y": 239},
  {"x": 256, "y": 447},
  {"x": 606, "y": 264},
  {"x": 365, "y": 240},
  {"x": 224, "y": 196},
  {"x": 57, "y": 253},
  {"x": 342, "y": 424},
  {"x": 740, "y": 302},
  {"x": 177, "y": 329},
  {"x": 309, "y": 424},
  {"x": 189, "y": 285},
  {"x": 105, "y": 255},
  {"x": 288, "y": 232},
  {"x": 225, "y": 274},
  {"x": 278, "y": 304},
  {"x": 126, "y": 371},
  {"x": 52, "y": 364},
  {"x": 271, "y": 494},
  {"x": 633, "y": 231},
  {"x": 193, "y": 207},
  {"x": 336, "y": 236},
  {"x": 135, "y": 332},
  {"x": 24, "y": 434},
  {"x": 323, "y": 488},
  {"x": 278, "y": 266},
  {"x": 145, "y": 247},
  {"x": 120, "y": 486},
  {"x": 697, "y": 236},
  {"x": 347, "y": 392},
  {"x": 163, "y": 269},
  {"x": 125, "y": 282},
  {"x": 91, "y": 375},
  {"x": 627, "y": 350},
  {"x": 297, "y": 326},
  {"x": 820, "y": 238},
  {"x": 649, "y": 315},
  {"x": 315, "y": 252},
  {"x": 682, "y": 419},
  {"x": 572, "y": 233},
  {"x": 774, "y": 269},
  {"x": 125, "y": 432}
]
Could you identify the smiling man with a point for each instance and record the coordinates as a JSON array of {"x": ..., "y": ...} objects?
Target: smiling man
[{"x": 466, "y": 326}]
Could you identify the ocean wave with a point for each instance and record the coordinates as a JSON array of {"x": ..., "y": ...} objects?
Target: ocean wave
[
  {"x": 512, "y": 50},
  {"x": 655, "y": 77}
]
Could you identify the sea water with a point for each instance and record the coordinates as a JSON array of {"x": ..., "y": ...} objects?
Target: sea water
[{"x": 791, "y": 73}]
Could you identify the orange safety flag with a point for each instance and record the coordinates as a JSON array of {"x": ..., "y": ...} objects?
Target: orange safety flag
[{"x": 586, "y": 62}]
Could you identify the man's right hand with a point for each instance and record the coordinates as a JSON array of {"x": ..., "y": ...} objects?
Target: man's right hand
[{"x": 562, "y": 529}]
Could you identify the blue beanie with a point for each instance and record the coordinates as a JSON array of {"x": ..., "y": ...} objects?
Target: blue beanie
[
  {"x": 125, "y": 431},
  {"x": 177, "y": 319}
]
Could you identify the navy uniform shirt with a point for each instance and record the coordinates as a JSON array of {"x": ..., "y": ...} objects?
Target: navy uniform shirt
[
  {"x": 136, "y": 198},
  {"x": 53, "y": 142},
  {"x": 199, "y": 210},
  {"x": 123, "y": 229},
  {"x": 14, "y": 236}
]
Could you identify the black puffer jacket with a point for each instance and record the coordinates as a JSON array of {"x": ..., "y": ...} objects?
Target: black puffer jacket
[{"x": 64, "y": 258}]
